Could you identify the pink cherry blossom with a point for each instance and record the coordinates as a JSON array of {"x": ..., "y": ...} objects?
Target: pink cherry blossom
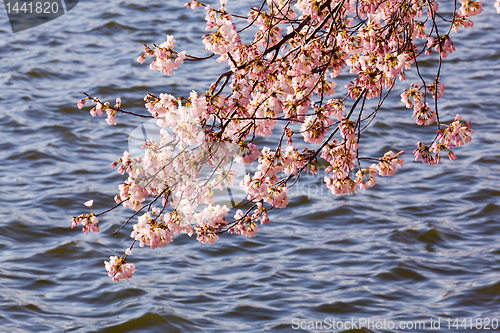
[
  {"x": 471, "y": 8},
  {"x": 412, "y": 96},
  {"x": 436, "y": 89},
  {"x": 118, "y": 268},
  {"x": 313, "y": 130},
  {"x": 248, "y": 153},
  {"x": 141, "y": 59},
  {"x": 277, "y": 196},
  {"x": 424, "y": 114},
  {"x": 193, "y": 4},
  {"x": 367, "y": 177},
  {"x": 387, "y": 164},
  {"x": 88, "y": 221},
  {"x": 81, "y": 103},
  {"x": 341, "y": 185},
  {"x": 245, "y": 227},
  {"x": 462, "y": 21}
]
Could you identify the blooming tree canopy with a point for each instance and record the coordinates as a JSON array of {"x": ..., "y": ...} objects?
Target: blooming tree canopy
[{"x": 281, "y": 82}]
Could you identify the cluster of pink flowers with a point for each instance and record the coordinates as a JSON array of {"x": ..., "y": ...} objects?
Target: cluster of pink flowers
[
  {"x": 225, "y": 39},
  {"x": 462, "y": 20},
  {"x": 88, "y": 221},
  {"x": 246, "y": 225},
  {"x": 334, "y": 108},
  {"x": 284, "y": 76},
  {"x": 341, "y": 183},
  {"x": 414, "y": 98},
  {"x": 118, "y": 268},
  {"x": 366, "y": 177},
  {"x": 342, "y": 158},
  {"x": 248, "y": 153},
  {"x": 387, "y": 165},
  {"x": 442, "y": 44},
  {"x": 470, "y": 7},
  {"x": 313, "y": 129},
  {"x": 152, "y": 232},
  {"x": 424, "y": 115},
  {"x": 265, "y": 188},
  {"x": 100, "y": 107},
  {"x": 456, "y": 134},
  {"x": 423, "y": 152},
  {"x": 436, "y": 89},
  {"x": 210, "y": 220},
  {"x": 166, "y": 59}
]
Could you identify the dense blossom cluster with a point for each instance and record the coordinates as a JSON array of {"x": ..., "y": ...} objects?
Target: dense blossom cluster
[
  {"x": 456, "y": 134},
  {"x": 164, "y": 54},
  {"x": 88, "y": 221},
  {"x": 118, "y": 268},
  {"x": 284, "y": 79}
]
